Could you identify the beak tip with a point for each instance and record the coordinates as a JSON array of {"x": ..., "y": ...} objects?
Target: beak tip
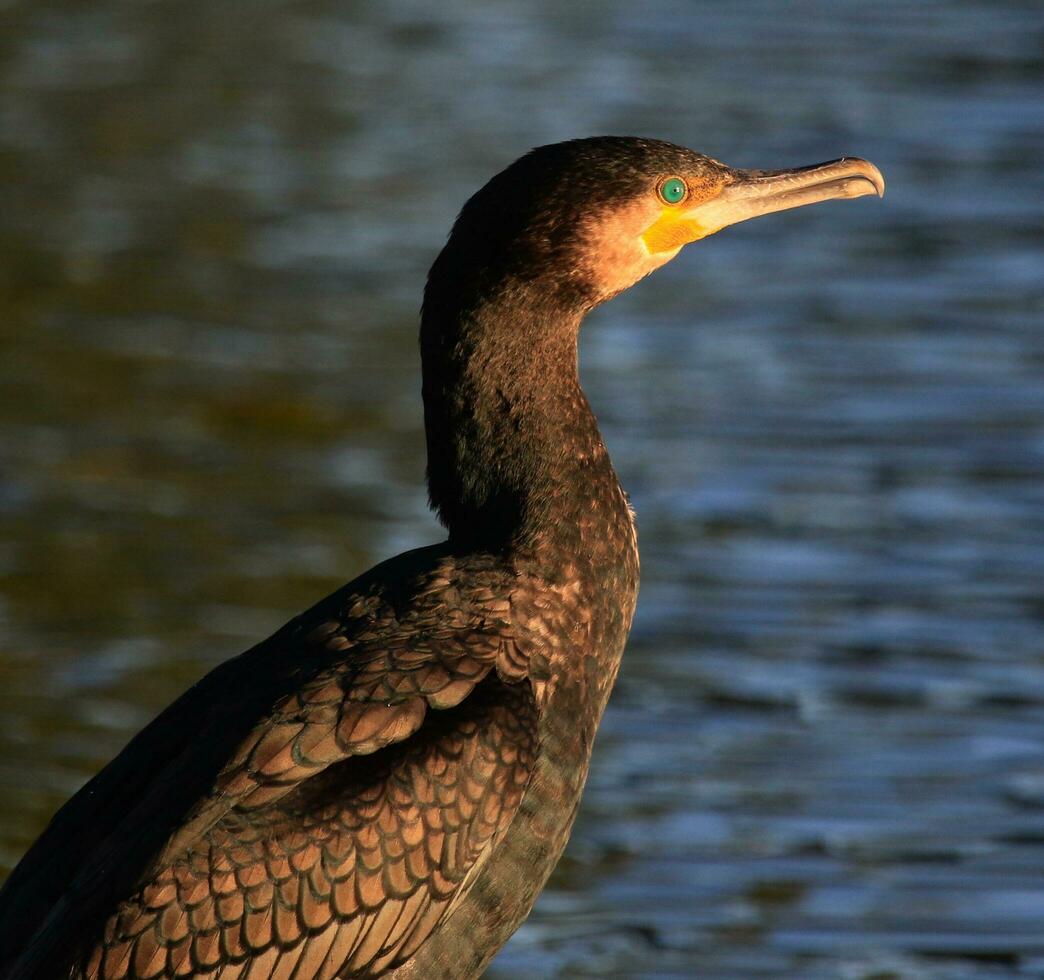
[{"x": 870, "y": 173}]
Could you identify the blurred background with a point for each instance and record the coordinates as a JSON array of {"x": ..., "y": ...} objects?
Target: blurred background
[{"x": 825, "y": 754}]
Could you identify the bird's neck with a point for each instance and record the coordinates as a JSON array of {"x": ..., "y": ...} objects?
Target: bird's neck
[{"x": 513, "y": 447}]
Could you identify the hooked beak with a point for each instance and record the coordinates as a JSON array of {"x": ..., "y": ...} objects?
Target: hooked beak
[{"x": 748, "y": 194}]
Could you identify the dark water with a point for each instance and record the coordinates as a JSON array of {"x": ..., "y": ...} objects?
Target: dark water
[{"x": 825, "y": 755}]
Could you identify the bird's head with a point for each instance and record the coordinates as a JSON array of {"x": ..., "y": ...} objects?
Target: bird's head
[
  {"x": 561, "y": 230},
  {"x": 586, "y": 219}
]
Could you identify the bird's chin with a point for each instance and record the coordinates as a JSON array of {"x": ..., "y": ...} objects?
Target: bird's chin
[{"x": 615, "y": 254}]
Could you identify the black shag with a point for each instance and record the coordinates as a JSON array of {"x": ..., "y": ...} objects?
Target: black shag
[{"x": 383, "y": 786}]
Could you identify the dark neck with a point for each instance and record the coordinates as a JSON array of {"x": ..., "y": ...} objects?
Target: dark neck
[{"x": 512, "y": 442}]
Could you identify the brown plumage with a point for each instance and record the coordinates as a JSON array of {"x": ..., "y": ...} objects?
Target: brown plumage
[{"x": 383, "y": 786}]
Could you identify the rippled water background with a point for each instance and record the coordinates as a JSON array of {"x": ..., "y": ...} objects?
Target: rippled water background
[{"x": 825, "y": 755}]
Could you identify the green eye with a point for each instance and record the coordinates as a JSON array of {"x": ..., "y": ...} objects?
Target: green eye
[{"x": 672, "y": 190}]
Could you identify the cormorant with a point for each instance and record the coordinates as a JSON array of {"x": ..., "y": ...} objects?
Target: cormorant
[{"x": 383, "y": 786}]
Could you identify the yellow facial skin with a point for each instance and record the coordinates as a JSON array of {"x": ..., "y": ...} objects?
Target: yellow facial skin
[
  {"x": 715, "y": 202},
  {"x": 671, "y": 230},
  {"x": 677, "y": 225}
]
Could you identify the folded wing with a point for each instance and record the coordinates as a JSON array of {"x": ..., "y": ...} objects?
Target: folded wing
[{"x": 331, "y": 835}]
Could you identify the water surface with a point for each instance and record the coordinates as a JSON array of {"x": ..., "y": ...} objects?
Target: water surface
[{"x": 825, "y": 754}]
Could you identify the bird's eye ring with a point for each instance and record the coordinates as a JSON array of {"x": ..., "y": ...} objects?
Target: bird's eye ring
[{"x": 672, "y": 190}]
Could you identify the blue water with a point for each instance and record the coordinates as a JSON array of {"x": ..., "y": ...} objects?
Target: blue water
[{"x": 825, "y": 754}]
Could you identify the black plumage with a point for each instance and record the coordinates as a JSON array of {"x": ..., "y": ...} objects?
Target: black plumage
[{"x": 383, "y": 786}]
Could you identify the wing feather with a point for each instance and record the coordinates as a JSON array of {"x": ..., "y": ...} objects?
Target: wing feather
[
  {"x": 329, "y": 782},
  {"x": 349, "y": 886}
]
